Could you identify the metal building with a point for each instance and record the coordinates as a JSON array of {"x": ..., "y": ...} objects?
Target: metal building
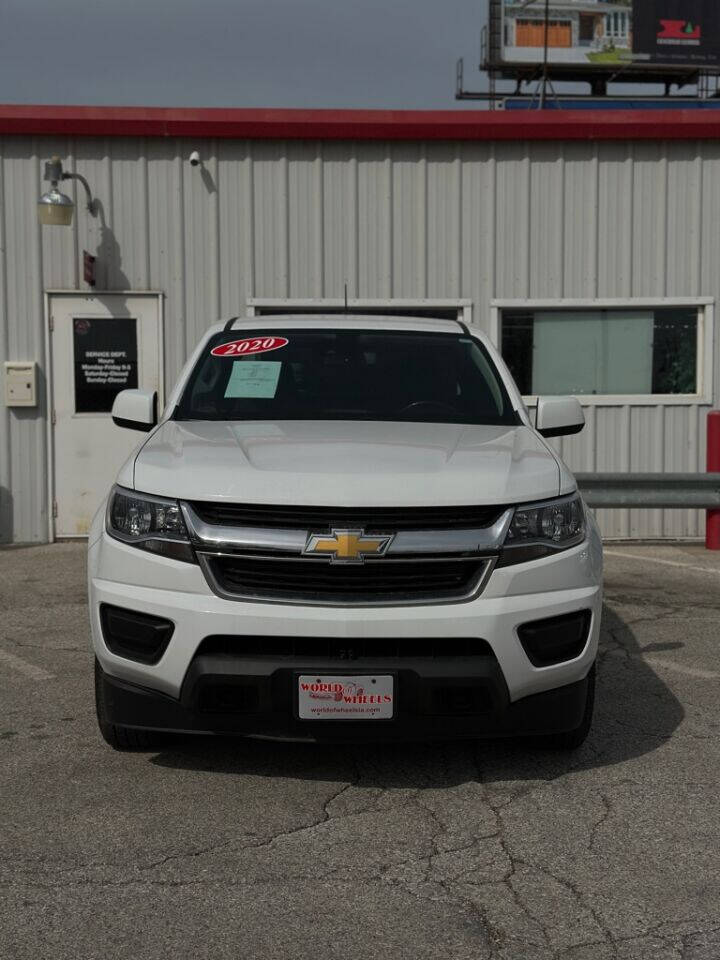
[{"x": 587, "y": 245}]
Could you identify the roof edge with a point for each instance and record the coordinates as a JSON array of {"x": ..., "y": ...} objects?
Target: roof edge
[{"x": 261, "y": 124}]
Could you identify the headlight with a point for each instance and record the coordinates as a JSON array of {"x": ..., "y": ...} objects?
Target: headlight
[
  {"x": 540, "y": 529},
  {"x": 151, "y": 523}
]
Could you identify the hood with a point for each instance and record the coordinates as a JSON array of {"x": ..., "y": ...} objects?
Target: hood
[{"x": 346, "y": 463}]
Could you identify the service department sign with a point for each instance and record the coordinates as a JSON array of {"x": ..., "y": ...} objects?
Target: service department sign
[{"x": 105, "y": 361}]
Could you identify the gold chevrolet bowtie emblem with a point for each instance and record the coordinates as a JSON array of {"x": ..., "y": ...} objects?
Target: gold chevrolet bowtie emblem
[{"x": 347, "y": 546}]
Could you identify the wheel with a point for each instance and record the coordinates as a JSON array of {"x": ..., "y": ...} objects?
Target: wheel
[
  {"x": 572, "y": 739},
  {"x": 120, "y": 738}
]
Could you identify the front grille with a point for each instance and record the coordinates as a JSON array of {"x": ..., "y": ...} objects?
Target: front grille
[
  {"x": 371, "y": 519},
  {"x": 301, "y": 650},
  {"x": 216, "y": 696},
  {"x": 373, "y": 582}
]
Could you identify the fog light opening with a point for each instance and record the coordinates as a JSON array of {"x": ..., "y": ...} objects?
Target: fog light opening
[
  {"x": 134, "y": 635},
  {"x": 555, "y": 639}
]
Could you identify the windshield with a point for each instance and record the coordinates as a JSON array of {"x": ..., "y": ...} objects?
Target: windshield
[{"x": 345, "y": 375}]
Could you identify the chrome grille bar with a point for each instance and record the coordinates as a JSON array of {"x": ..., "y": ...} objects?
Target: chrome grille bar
[{"x": 414, "y": 542}]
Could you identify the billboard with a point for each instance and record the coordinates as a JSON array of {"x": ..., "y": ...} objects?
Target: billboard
[{"x": 597, "y": 33}]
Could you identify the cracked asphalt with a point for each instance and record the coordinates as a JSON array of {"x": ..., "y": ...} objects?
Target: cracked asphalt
[{"x": 243, "y": 849}]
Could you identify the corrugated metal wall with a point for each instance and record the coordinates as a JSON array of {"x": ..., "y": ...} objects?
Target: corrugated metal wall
[{"x": 299, "y": 219}]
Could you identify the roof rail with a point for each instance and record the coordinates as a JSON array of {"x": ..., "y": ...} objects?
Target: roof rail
[{"x": 228, "y": 325}]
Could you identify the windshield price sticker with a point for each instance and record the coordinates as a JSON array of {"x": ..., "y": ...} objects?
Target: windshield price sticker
[
  {"x": 258, "y": 379},
  {"x": 249, "y": 347}
]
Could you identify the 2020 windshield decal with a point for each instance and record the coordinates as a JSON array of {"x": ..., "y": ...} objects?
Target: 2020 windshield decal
[{"x": 249, "y": 347}]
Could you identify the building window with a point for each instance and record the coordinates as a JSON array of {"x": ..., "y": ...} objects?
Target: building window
[
  {"x": 604, "y": 352},
  {"x": 617, "y": 25}
]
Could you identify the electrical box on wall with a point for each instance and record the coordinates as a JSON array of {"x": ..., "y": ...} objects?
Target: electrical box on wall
[{"x": 20, "y": 384}]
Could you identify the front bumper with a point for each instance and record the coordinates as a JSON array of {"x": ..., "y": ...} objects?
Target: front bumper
[
  {"x": 473, "y": 704},
  {"x": 510, "y": 694}
]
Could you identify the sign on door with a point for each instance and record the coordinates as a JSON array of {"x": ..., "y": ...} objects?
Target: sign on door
[{"x": 105, "y": 353}]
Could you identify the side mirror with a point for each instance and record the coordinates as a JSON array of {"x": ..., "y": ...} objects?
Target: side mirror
[
  {"x": 559, "y": 416},
  {"x": 135, "y": 409}
]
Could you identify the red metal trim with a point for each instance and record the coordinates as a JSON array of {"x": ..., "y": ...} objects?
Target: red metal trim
[
  {"x": 712, "y": 531},
  {"x": 360, "y": 124}
]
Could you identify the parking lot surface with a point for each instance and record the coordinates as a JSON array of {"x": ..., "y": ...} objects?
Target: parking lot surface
[{"x": 245, "y": 849}]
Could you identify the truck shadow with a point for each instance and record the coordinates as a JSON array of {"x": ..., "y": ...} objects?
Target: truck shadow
[{"x": 635, "y": 713}]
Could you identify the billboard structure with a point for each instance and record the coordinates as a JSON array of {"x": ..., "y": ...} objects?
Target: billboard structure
[{"x": 606, "y": 34}]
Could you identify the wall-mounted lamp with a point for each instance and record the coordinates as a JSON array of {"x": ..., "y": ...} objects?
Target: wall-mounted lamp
[{"x": 56, "y": 208}]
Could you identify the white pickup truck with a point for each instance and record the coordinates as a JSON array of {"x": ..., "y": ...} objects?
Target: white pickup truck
[{"x": 345, "y": 528}]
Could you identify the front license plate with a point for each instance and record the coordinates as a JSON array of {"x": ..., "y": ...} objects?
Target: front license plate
[{"x": 346, "y": 698}]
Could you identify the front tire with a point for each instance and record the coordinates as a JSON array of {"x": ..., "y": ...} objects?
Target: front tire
[{"x": 116, "y": 736}]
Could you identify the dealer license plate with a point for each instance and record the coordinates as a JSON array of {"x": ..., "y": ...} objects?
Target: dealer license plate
[{"x": 346, "y": 698}]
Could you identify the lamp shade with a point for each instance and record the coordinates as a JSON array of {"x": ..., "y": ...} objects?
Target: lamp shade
[{"x": 55, "y": 209}]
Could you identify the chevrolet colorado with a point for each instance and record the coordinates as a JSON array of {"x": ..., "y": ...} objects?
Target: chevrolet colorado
[{"x": 345, "y": 528}]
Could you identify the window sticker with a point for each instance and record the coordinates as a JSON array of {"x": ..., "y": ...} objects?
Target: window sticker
[
  {"x": 251, "y": 345},
  {"x": 258, "y": 379}
]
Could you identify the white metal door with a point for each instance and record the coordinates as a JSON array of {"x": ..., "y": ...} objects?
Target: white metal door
[{"x": 100, "y": 344}]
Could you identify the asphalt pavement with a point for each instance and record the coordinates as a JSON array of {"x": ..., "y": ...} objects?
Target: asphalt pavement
[{"x": 248, "y": 849}]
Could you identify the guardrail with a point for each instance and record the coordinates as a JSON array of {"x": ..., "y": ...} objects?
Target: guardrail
[
  {"x": 657, "y": 491},
  {"x": 666, "y": 491}
]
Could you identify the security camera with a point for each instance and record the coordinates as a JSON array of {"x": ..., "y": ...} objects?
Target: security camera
[{"x": 194, "y": 159}]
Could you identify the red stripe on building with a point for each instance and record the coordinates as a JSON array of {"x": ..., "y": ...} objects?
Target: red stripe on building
[{"x": 360, "y": 124}]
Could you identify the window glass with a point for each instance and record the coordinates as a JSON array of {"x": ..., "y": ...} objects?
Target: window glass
[
  {"x": 346, "y": 375},
  {"x": 603, "y": 352}
]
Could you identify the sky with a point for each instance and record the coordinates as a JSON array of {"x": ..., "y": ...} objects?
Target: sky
[{"x": 391, "y": 54}]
